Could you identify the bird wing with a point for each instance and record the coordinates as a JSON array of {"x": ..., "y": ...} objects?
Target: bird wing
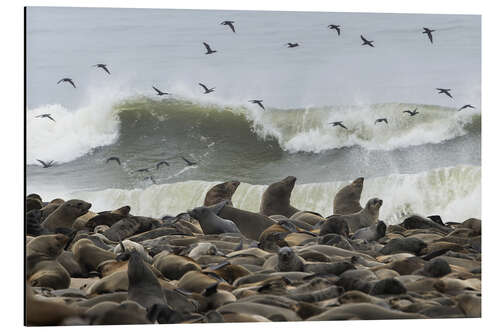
[
  {"x": 341, "y": 125},
  {"x": 61, "y": 80},
  {"x": 203, "y": 86},
  {"x": 385, "y": 120},
  {"x": 207, "y": 46},
  {"x": 48, "y": 116},
  {"x": 230, "y": 24},
  {"x": 430, "y": 36},
  {"x": 105, "y": 68},
  {"x": 448, "y": 93},
  {"x": 407, "y": 111},
  {"x": 363, "y": 38},
  {"x": 338, "y": 30},
  {"x": 43, "y": 163},
  {"x": 260, "y": 104},
  {"x": 72, "y": 83},
  {"x": 157, "y": 90}
]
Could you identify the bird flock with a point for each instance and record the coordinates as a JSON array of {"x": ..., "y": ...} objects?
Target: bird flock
[{"x": 210, "y": 50}]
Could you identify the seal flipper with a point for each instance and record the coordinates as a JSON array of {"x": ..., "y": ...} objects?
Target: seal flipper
[
  {"x": 218, "y": 207},
  {"x": 161, "y": 313}
]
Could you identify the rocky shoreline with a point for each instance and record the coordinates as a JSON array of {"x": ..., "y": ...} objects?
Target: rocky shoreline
[{"x": 112, "y": 267}]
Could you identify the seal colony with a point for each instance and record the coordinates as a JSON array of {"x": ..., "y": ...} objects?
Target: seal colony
[{"x": 218, "y": 263}]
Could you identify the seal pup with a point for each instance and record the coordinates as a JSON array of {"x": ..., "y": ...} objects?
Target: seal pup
[
  {"x": 289, "y": 261},
  {"x": 276, "y": 198},
  {"x": 211, "y": 223},
  {"x": 48, "y": 115},
  {"x": 366, "y": 41},
  {"x": 258, "y": 102},
  {"x": 209, "y": 50},
  {"x": 371, "y": 233},
  {"x": 346, "y": 201},
  {"x": 67, "y": 79},
  {"x": 336, "y": 27},
  {"x": 230, "y": 24},
  {"x": 159, "y": 92},
  {"x": 103, "y": 67},
  {"x": 428, "y": 32},
  {"x": 365, "y": 218},
  {"x": 65, "y": 215},
  {"x": 207, "y": 91},
  {"x": 221, "y": 192},
  {"x": 444, "y": 91}
]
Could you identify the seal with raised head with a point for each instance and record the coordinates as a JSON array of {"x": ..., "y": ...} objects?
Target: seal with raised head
[
  {"x": 371, "y": 233},
  {"x": 66, "y": 214},
  {"x": 221, "y": 192},
  {"x": 346, "y": 200},
  {"x": 211, "y": 223},
  {"x": 276, "y": 198},
  {"x": 365, "y": 218}
]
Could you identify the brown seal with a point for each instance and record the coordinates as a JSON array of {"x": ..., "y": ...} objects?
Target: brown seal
[
  {"x": 65, "y": 215},
  {"x": 221, "y": 192},
  {"x": 89, "y": 255},
  {"x": 276, "y": 198},
  {"x": 41, "y": 312},
  {"x": 42, "y": 268},
  {"x": 346, "y": 200},
  {"x": 365, "y": 218}
]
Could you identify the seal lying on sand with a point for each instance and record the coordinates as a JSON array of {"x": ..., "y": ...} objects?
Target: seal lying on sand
[
  {"x": 66, "y": 214},
  {"x": 221, "y": 192},
  {"x": 346, "y": 200},
  {"x": 211, "y": 223},
  {"x": 365, "y": 218},
  {"x": 276, "y": 198}
]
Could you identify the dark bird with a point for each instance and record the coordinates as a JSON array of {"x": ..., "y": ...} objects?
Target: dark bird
[
  {"x": 189, "y": 163},
  {"x": 229, "y": 24},
  {"x": 142, "y": 170},
  {"x": 45, "y": 115},
  {"x": 206, "y": 89},
  {"x": 114, "y": 158},
  {"x": 411, "y": 113},
  {"x": 258, "y": 102},
  {"x": 381, "y": 120},
  {"x": 161, "y": 163},
  {"x": 428, "y": 32},
  {"x": 209, "y": 50},
  {"x": 292, "y": 44},
  {"x": 46, "y": 164},
  {"x": 151, "y": 178},
  {"x": 467, "y": 106},
  {"x": 337, "y": 123},
  {"x": 336, "y": 27},
  {"x": 367, "y": 42},
  {"x": 159, "y": 92},
  {"x": 67, "y": 79},
  {"x": 444, "y": 91},
  {"x": 103, "y": 66}
]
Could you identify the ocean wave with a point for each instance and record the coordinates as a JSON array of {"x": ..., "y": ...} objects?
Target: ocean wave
[
  {"x": 76, "y": 132},
  {"x": 454, "y": 193}
]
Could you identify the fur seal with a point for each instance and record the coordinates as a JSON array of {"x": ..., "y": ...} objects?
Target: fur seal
[
  {"x": 288, "y": 261},
  {"x": 276, "y": 198},
  {"x": 311, "y": 218},
  {"x": 41, "y": 312},
  {"x": 409, "y": 244},
  {"x": 42, "y": 268},
  {"x": 346, "y": 200},
  {"x": 89, "y": 255},
  {"x": 250, "y": 224},
  {"x": 364, "y": 218},
  {"x": 363, "y": 311},
  {"x": 335, "y": 225},
  {"x": 211, "y": 223},
  {"x": 371, "y": 233},
  {"x": 221, "y": 192},
  {"x": 65, "y": 215},
  {"x": 173, "y": 266}
]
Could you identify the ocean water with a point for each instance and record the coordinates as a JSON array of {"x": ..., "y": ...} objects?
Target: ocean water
[{"x": 426, "y": 164}]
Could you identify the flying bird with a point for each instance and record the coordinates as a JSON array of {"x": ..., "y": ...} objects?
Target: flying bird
[
  {"x": 290, "y": 45},
  {"x": 381, "y": 120},
  {"x": 45, "y": 115},
  {"x": 67, "y": 79},
  {"x": 367, "y": 42},
  {"x": 142, "y": 170},
  {"x": 207, "y": 91},
  {"x": 159, "y": 92},
  {"x": 229, "y": 24},
  {"x": 337, "y": 123},
  {"x": 258, "y": 102},
  {"x": 161, "y": 163},
  {"x": 336, "y": 27},
  {"x": 114, "y": 158},
  {"x": 209, "y": 50},
  {"x": 467, "y": 106},
  {"x": 189, "y": 163},
  {"x": 46, "y": 164},
  {"x": 444, "y": 91},
  {"x": 428, "y": 32},
  {"x": 103, "y": 66},
  {"x": 411, "y": 113}
]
